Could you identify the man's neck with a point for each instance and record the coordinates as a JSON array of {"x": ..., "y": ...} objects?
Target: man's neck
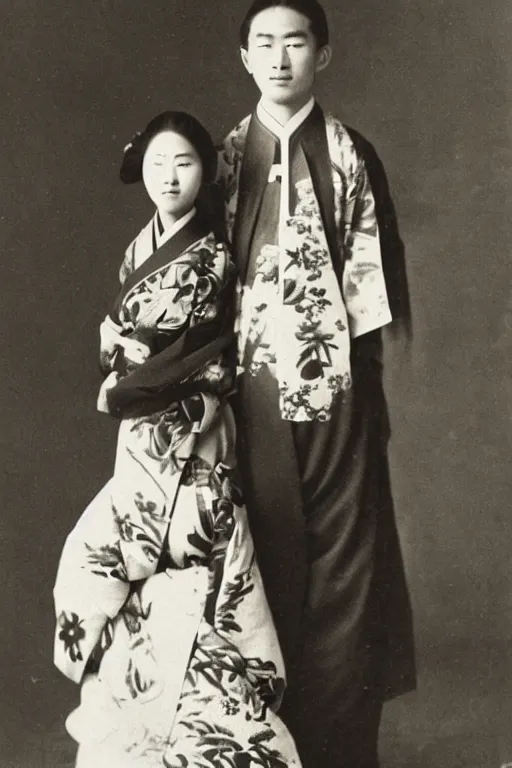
[{"x": 283, "y": 113}]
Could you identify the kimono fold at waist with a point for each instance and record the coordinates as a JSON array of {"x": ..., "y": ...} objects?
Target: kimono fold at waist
[{"x": 172, "y": 375}]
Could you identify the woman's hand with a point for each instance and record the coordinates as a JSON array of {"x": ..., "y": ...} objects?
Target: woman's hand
[
  {"x": 135, "y": 352},
  {"x": 110, "y": 335},
  {"x": 109, "y": 383},
  {"x": 112, "y": 340}
]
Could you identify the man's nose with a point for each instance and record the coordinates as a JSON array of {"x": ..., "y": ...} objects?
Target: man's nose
[{"x": 281, "y": 58}]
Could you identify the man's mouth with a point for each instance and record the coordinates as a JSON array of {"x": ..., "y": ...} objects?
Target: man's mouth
[{"x": 281, "y": 79}]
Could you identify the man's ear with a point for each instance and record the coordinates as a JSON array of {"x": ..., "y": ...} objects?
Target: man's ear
[
  {"x": 323, "y": 57},
  {"x": 244, "y": 55}
]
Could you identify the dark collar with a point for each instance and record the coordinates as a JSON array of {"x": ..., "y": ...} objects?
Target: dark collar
[
  {"x": 193, "y": 231},
  {"x": 259, "y": 152}
]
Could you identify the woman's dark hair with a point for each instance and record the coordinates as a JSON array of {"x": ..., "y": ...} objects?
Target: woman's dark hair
[
  {"x": 309, "y": 8},
  {"x": 179, "y": 122}
]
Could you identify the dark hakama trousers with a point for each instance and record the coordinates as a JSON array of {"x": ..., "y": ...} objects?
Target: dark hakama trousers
[{"x": 320, "y": 506}]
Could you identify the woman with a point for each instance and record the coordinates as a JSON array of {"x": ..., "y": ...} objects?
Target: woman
[{"x": 161, "y": 613}]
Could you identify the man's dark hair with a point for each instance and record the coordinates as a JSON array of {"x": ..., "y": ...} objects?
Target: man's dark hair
[{"x": 309, "y": 8}]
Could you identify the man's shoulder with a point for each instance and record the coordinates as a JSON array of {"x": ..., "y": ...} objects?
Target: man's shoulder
[
  {"x": 237, "y": 133},
  {"x": 363, "y": 147},
  {"x": 360, "y": 142}
]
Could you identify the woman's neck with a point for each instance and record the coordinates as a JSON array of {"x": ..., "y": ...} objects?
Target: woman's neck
[
  {"x": 169, "y": 220},
  {"x": 166, "y": 230}
]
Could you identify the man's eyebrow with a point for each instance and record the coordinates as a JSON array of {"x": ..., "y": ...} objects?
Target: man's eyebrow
[{"x": 298, "y": 34}]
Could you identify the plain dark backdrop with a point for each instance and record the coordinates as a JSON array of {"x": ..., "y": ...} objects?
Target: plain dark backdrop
[{"x": 429, "y": 84}]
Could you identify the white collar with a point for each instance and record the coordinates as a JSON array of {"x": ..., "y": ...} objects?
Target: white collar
[
  {"x": 283, "y": 132},
  {"x": 172, "y": 230}
]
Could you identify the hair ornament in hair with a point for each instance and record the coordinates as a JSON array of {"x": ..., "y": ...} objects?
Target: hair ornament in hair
[{"x": 134, "y": 139}]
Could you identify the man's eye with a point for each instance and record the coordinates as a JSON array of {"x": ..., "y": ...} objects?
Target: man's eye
[
  {"x": 295, "y": 45},
  {"x": 264, "y": 45}
]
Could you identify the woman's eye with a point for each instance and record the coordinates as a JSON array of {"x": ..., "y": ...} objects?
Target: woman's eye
[{"x": 184, "y": 165}]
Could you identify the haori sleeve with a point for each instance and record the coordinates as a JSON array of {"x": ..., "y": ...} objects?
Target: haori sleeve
[
  {"x": 224, "y": 162},
  {"x": 229, "y": 162},
  {"x": 227, "y": 265},
  {"x": 364, "y": 286}
]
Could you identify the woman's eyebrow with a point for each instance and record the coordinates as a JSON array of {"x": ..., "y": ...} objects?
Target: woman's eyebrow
[{"x": 180, "y": 154}]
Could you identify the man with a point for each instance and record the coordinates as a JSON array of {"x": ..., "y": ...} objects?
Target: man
[{"x": 320, "y": 262}]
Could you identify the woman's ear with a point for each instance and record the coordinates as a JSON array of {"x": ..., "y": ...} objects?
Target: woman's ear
[
  {"x": 323, "y": 57},
  {"x": 244, "y": 55}
]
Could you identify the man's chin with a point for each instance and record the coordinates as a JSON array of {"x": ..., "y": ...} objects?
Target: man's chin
[{"x": 281, "y": 99}]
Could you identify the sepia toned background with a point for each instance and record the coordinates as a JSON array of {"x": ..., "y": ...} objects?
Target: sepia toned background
[{"x": 429, "y": 84}]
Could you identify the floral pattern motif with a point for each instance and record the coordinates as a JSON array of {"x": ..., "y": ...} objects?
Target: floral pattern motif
[
  {"x": 311, "y": 364},
  {"x": 294, "y": 318},
  {"x": 181, "y": 292},
  {"x": 71, "y": 633},
  {"x": 244, "y": 730},
  {"x": 161, "y": 611}
]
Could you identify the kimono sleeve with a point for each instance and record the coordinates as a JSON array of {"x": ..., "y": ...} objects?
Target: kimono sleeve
[
  {"x": 364, "y": 286},
  {"x": 118, "y": 540},
  {"x": 242, "y": 614},
  {"x": 90, "y": 587},
  {"x": 128, "y": 263}
]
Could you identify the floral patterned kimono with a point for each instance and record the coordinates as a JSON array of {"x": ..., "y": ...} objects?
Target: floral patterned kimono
[{"x": 161, "y": 612}]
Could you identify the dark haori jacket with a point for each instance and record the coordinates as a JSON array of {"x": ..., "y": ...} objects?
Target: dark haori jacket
[{"x": 318, "y": 492}]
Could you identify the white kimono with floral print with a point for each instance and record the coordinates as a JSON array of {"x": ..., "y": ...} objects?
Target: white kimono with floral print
[{"x": 161, "y": 611}]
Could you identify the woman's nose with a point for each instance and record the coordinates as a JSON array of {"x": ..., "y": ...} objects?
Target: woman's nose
[{"x": 171, "y": 176}]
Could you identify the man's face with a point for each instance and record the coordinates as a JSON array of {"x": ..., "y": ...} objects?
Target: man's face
[{"x": 283, "y": 57}]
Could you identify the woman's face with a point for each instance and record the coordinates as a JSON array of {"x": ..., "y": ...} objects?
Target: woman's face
[{"x": 172, "y": 174}]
